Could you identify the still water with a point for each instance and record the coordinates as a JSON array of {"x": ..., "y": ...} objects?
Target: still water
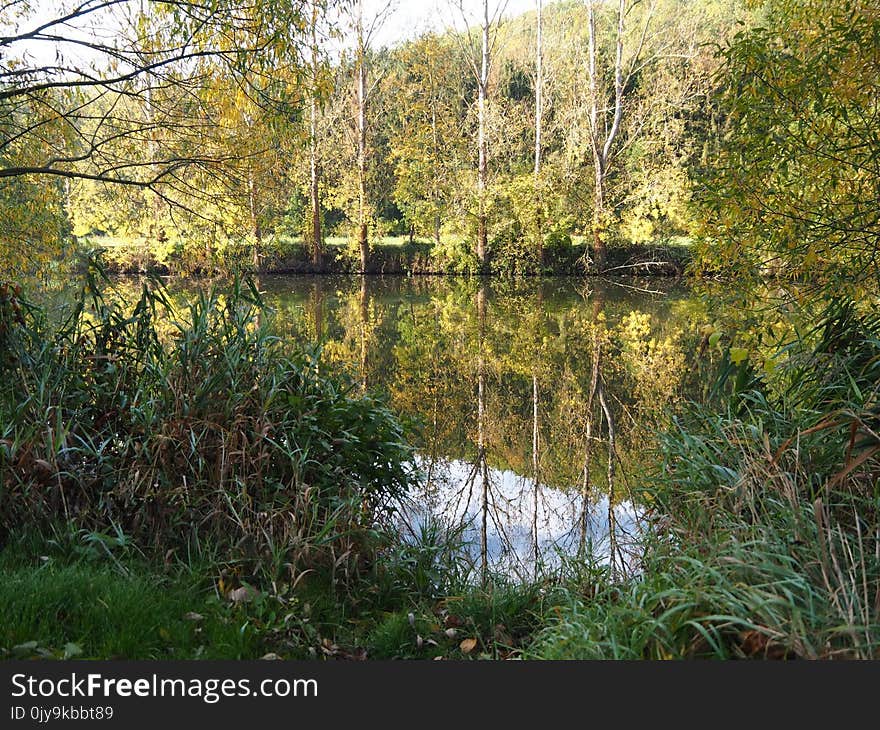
[{"x": 534, "y": 404}]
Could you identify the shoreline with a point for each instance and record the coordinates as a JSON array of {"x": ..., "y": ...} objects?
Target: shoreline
[{"x": 651, "y": 260}]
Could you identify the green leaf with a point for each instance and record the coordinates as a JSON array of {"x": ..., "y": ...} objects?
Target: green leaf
[{"x": 738, "y": 355}]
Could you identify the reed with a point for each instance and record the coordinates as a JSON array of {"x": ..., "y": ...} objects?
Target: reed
[{"x": 183, "y": 430}]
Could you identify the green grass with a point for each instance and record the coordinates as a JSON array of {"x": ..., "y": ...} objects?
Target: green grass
[
  {"x": 70, "y": 602},
  {"x": 85, "y": 610}
]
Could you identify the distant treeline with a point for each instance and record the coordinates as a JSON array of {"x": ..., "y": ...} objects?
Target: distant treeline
[{"x": 749, "y": 126}]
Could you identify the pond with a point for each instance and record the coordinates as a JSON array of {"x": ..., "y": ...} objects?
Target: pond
[{"x": 534, "y": 403}]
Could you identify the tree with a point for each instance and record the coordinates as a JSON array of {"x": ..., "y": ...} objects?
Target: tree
[
  {"x": 539, "y": 121},
  {"x": 605, "y": 118},
  {"x": 794, "y": 187},
  {"x": 317, "y": 81},
  {"x": 365, "y": 32},
  {"x": 128, "y": 107},
  {"x": 481, "y": 67},
  {"x": 428, "y": 142}
]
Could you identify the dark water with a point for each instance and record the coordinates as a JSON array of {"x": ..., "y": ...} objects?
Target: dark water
[{"x": 535, "y": 403}]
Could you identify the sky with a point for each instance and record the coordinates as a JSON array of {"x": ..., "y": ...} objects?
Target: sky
[
  {"x": 406, "y": 19},
  {"x": 412, "y": 17}
]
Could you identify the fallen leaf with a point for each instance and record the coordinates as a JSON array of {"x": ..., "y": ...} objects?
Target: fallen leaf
[
  {"x": 240, "y": 595},
  {"x": 467, "y": 645},
  {"x": 271, "y": 656},
  {"x": 192, "y": 616}
]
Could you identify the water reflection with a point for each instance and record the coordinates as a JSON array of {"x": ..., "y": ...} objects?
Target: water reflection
[
  {"x": 517, "y": 527},
  {"x": 534, "y": 403}
]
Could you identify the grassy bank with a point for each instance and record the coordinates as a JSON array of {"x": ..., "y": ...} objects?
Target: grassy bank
[{"x": 87, "y": 596}]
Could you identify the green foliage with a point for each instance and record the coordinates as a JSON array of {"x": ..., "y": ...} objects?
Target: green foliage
[
  {"x": 36, "y": 228},
  {"x": 793, "y": 188},
  {"x": 186, "y": 431},
  {"x": 455, "y": 256}
]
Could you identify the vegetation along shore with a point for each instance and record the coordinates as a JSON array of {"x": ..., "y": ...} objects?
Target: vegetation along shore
[{"x": 547, "y": 331}]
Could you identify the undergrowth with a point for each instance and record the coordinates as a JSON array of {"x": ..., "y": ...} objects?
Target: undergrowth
[{"x": 191, "y": 433}]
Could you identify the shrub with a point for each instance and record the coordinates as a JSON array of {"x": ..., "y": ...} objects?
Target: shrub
[{"x": 195, "y": 430}]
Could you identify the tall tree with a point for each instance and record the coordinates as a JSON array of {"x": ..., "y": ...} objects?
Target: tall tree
[
  {"x": 317, "y": 9},
  {"x": 481, "y": 67},
  {"x": 365, "y": 32},
  {"x": 539, "y": 121},
  {"x": 606, "y": 108},
  {"x": 428, "y": 142}
]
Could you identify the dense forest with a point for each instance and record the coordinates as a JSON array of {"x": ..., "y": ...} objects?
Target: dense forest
[
  {"x": 478, "y": 138},
  {"x": 640, "y": 412}
]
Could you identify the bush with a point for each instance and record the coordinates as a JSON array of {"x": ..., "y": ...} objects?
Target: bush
[
  {"x": 454, "y": 255},
  {"x": 187, "y": 432}
]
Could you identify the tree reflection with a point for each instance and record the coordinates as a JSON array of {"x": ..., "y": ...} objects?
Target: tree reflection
[{"x": 569, "y": 387}]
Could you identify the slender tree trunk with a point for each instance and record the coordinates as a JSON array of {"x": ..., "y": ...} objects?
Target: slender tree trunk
[
  {"x": 363, "y": 236},
  {"x": 599, "y": 249},
  {"x": 602, "y": 141},
  {"x": 156, "y": 232},
  {"x": 483, "y": 163},
  {"x": 539, "y": 87},
  {"x": 539, "y": 114},
  {"x": 436, "y": 193},
  {"x": 314, "y": 192}
]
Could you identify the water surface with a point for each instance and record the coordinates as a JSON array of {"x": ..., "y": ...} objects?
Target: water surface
[{"x": 534, "y": 403}]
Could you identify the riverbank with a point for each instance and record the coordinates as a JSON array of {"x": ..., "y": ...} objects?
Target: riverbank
[
  {"x": 762, "y": 544},
  {"x": 394, "y": 256}
]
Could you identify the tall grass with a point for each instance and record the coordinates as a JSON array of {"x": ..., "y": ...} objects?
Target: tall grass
[
  {"x": 766, "y": 539},
  {"x": 190, "y": 432}
]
